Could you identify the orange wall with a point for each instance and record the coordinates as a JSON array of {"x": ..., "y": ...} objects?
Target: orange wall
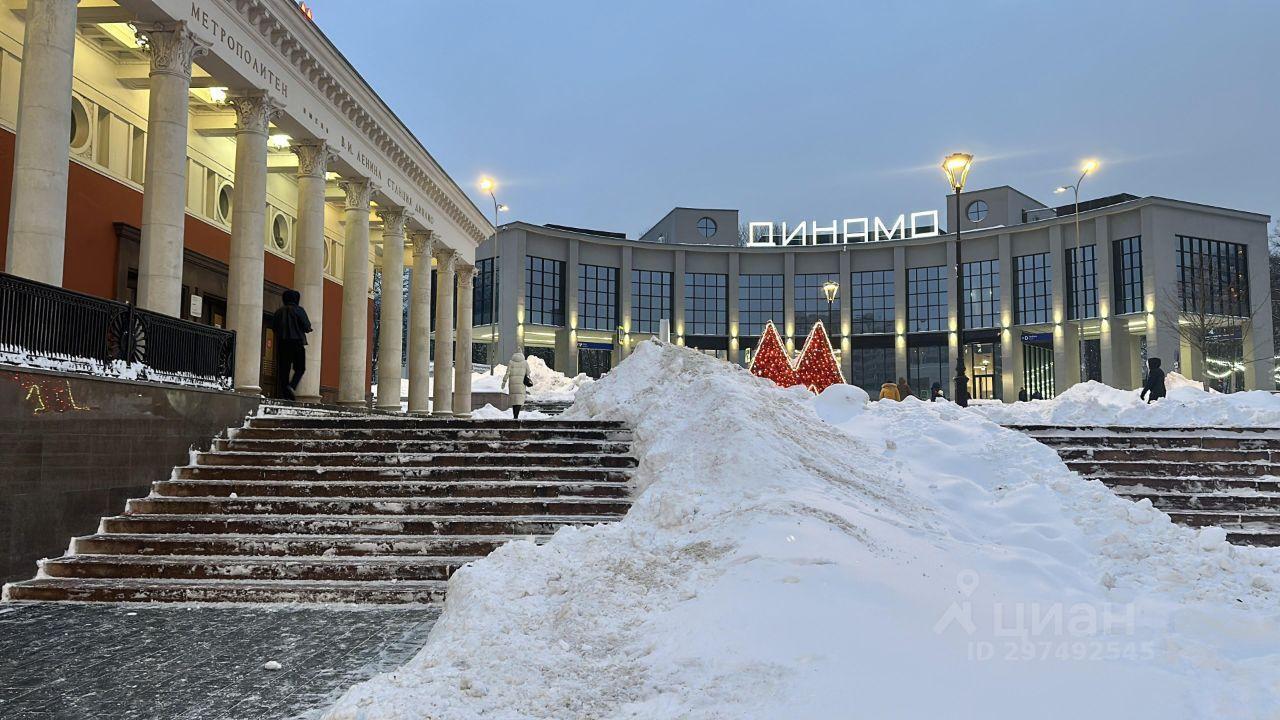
[{"x": 95, "y": 202}]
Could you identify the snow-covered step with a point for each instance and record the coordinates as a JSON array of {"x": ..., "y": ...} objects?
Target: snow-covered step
[
  {"x": 248, "y": 567},
  {"x": 1160, "y": 443},
  {"x": 1171, "y": 501},
  {"x": 1180, "y": 455},
  {"x": 354, "y": 524},
  {"x": 284, "y": 544},
  {"x": 511, "y": 471},
  {"x": 227, "y": 590},
  {"x": 1103, "y": 469},
  {"x": 418, "y": 446},
  {"x": 415, "y": 422},
  {"x": 528, "y": 431},
  {"x": 1260, "y": 520},
  {"x": 373, "y": 459},
  {"x": 452, "y": 506},
  {"x": 1191, "y": 483},
  {"x": 389, "y": 488}
]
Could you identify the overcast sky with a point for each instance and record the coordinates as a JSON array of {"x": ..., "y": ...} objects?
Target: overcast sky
[{"x": 606, "y": 114}]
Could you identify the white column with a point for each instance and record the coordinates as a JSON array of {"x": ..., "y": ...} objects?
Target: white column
[
  {"x": 248, "y": 229},
  {"x": 38, "y": 202},
  {"x": 443, "y": 390},
  {"x": 462, "y": 352},
  {"x": 165, "y": 183},
  {"x": 391, "y": 321},
  {"x": 308, "y": 266},
  {"x": 353, "y": 355},
  {"x": 420, "y": 324}
]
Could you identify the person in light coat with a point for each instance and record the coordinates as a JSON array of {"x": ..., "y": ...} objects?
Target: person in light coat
[{"x": 514, "y": 381}]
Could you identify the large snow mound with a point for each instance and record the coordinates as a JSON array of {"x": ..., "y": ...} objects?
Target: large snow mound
[
  {"x": 904, "y": 560},
  {"x": 1187, "y": 405}
]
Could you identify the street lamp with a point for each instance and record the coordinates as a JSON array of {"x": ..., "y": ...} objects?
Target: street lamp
[
  {"x": 830, "y": 288},
  {"x": 956, "y": 167},
  {"x": 1086, "y": 167},
  {"x": 488, "y": 185}
]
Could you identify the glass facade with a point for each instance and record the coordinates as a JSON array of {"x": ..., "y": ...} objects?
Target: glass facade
[
  {"x": 1213, "y": 277},
  {"x": 759, "y": 301},
  {"x": 1126, "y": 259},
  {"x": 1082, "y": 282},
  {"x": 871, "y": 367},
  {"x": 926, "y": 365},
  {"x": 871, "y": 301},
  {"x": 650, "y": 299},
  {"x": 484, "y": 310},
  {"x": 1033, "y": 291},
  {"x": 706, "y": 304},
  {"x": 544, "y": 291},
  {"x": 597, "y": 297},
  {"x": 927, "y": 299},
  {"x": 812, "y": 305},
  {"x": 982, "y": 294}
]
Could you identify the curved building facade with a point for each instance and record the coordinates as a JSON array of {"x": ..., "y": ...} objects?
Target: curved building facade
[{"x": 1044, "y": 305}]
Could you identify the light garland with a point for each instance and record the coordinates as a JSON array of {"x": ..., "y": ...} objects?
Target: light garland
[{"x": 815, "y": 368}]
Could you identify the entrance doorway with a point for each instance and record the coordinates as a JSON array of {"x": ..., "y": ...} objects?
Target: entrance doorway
[
  {"x": 1037, "y": 365},
  {"x": 594, "y": 359},
  {"x": 983, "y": 362}
]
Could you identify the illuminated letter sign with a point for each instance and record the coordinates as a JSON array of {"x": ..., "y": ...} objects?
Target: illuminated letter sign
[{"x": 922, "y": 224}]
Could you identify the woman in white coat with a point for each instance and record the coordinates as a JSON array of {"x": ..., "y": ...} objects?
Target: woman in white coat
[{"x": 515, "y": 382}]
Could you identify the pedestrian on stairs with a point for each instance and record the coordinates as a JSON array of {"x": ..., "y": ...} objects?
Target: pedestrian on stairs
[
  {"x": 291, "y": 326},
  {"x": 1153, "y": 386},
  {"x": 904, "y": 389},
  {"x": 516, "y": 380}
]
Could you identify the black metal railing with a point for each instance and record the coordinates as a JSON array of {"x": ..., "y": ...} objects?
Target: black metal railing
[{"x": 49, "y": 322}]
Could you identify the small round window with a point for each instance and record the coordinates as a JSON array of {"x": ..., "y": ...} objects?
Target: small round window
[
  {"x": 224, "y": 203},
  {"x": 79, "y": 125},
  {"x": 280, "y": 233},
  {"x": 977, "y": 211},
  {"x": 706, "y": 227}
]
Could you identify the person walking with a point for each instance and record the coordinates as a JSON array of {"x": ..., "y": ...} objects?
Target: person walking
[
  {"x": 961, "y": 382},
  {"x": 1153, "y": 387},
  {"x": 291, "y": 325},
  {"x": 1022, "y": 395},
  {"x": 935, "y": 392},
  {"x": 516, "y": 380},
  {"x": 904, "y": 390},
  {"x": 889, "y": 391}
]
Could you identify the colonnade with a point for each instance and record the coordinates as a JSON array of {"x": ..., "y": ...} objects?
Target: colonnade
[{"x": 37, "y": 224}]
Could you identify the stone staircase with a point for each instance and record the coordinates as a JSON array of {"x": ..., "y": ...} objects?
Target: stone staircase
[
  {"x": 1229, "y": 477},
  {"x": 350, "y": 508}
]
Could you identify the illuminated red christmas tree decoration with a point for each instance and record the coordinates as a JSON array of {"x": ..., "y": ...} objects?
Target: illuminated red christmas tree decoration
[
  {"x": 817, "y": 367},
  {"x": 770, "y": 358}
]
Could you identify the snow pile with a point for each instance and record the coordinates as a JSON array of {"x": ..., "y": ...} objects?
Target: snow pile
[
  {"x": 798, "y": 557},
  {"x": 548, "y": 385},
  {"x": 1187, "y": 405},
  {"x": 489, "y": 412},
  {"x": 115, "y": 369}
]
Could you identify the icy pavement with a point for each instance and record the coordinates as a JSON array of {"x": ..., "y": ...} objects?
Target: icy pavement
[{"x": 145, "y": 662}]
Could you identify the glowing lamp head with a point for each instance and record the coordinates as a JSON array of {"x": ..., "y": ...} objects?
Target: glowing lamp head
[
  {"x": 218, "y": 94},
  {"x": 487, "y": 184},
  {"x": 1089, "y": 166},
  {"x": 956, "y": 167},
  {"x": 279, "y": 142},
  {"x": 829, "y": 289},
  {"x": 503, "y": 208},
  {"x": 1061, "y": 189}
]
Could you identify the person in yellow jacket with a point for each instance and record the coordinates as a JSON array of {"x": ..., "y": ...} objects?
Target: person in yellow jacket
[{"x": 889, "y": 391}]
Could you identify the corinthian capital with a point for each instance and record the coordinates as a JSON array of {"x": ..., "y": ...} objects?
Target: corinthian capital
[
  {"x": 254, "y": 111},
  {"x": 424, "y": 246},
  {"x": 358, "y": 191},
  {"x": 172, "y": 47},
  {"x": 446, "y": 259},
  {"x": 393, "y": 220},
  {"x": 466, "y": 273},
  {"x": 313, "y": 157}
]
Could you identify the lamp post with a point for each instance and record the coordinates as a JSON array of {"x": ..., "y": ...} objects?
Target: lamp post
[
  {"x": 1087, "y": 167},
  {"x": 488, "y": 185},
  {"x": 956, "y": 167}
]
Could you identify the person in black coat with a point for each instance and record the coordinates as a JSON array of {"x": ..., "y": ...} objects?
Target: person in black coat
[
  {"x": 1022, "y": 395},
  {"x": 291, "y": 326},
  {"x": 961, "y": 383},
  {"x": 1153, "y": 387},
  {"x": 935, "y": 392}
]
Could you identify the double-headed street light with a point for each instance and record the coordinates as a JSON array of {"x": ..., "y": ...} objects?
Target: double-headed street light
[
  {"x": 829, "y": 289},
  {"x": 1086, "y": 167},
  {"x": 956, "y": 167}
]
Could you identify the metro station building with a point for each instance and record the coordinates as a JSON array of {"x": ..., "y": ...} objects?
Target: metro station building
[
  {"x": 1044, "y": 308},
  {"x": 195, "y": 158}
]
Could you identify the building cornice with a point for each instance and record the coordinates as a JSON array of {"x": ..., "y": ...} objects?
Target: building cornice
[{"x": 313, "y": 56}]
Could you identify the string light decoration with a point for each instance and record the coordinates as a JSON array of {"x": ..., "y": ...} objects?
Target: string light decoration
[
  {"x": 817, "y": 368},
  {"x": 770, "y": 358}
]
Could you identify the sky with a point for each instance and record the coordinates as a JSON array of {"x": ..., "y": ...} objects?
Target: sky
[{"x": 606, "y": 114}]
